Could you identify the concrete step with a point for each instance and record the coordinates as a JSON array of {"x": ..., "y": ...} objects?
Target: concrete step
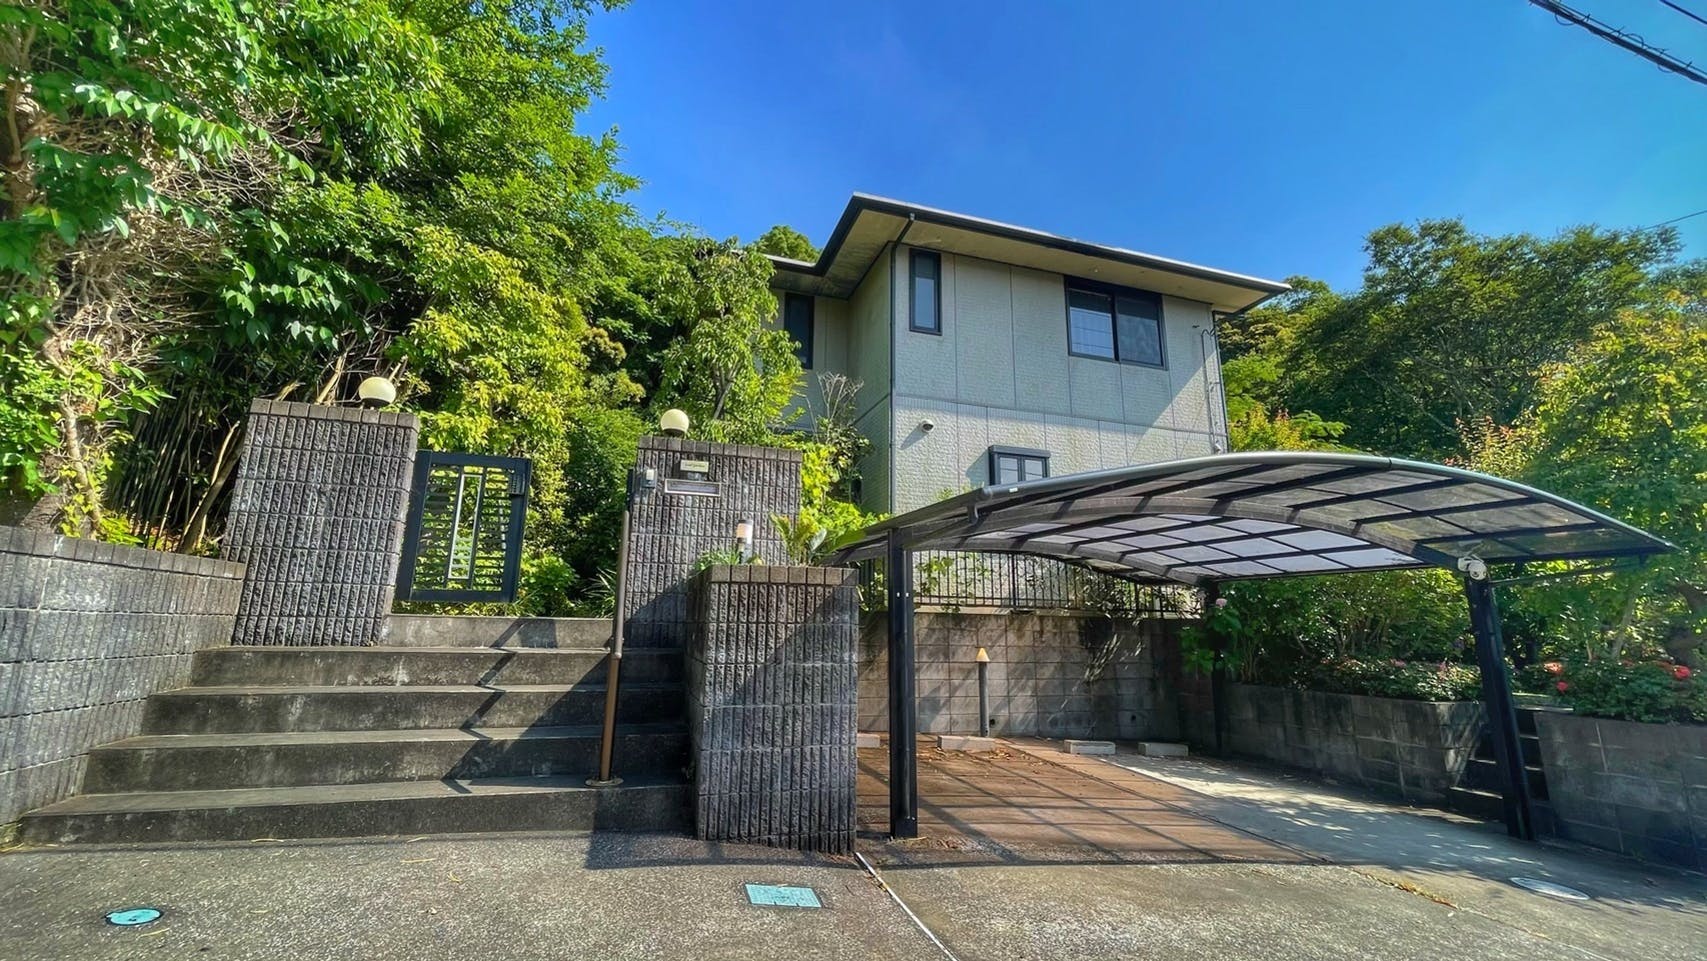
[
  {"x": 451, "y": 630},
  {"x": 1486, "y": 805},
  {"x": 197, "y": 762},
  {"x": 252, "y": 710},
  {"x": 1482, "y": 774},
  {"x": 408, "y": 808},
  {"x": 503, "y": 666}
]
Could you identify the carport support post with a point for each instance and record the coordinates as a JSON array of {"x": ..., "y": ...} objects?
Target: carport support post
[
  {"x": 903, "y": 721},
  {"x": 1218, "y": 665},
  {"x": 1498, "y": 704}
]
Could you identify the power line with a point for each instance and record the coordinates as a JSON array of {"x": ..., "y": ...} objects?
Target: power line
[
  {"x": 1668, "y": 223},
  {"x": 1688, "y": 13},
  {"x": 1628, "y": 41}
]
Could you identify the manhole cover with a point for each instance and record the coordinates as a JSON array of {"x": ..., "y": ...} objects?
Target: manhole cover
[
  {"x": 131, "y": 917},
  {"x": 1550, "y": 889},
  {"x": 782, "y": 896}
]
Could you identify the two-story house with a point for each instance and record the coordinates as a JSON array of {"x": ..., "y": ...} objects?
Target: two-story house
[{"x": 990, "y": 353}]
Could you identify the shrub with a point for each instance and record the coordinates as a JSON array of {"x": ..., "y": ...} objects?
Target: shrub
[
  {"x": 1410, "y": 680},
  {"x": 1653, "y": 691}
]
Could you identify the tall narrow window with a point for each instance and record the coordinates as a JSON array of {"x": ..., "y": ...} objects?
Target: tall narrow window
[
  {"x": 1089, "y": 332},
  {"x": 926, "y": 300},
  {"x": 797, "y": 323},
  {"x": 1114, "y": 323}
]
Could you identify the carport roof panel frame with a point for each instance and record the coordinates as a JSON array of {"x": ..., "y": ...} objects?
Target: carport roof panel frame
[{"x": 1257, "y": 515}]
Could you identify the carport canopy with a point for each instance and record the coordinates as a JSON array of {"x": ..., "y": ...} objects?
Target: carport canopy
[
  {"x": 1259, "y": 515},
  {"x": 1244, "y": 516}
]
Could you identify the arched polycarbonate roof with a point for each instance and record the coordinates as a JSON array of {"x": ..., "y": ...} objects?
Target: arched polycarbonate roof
[{"x": 1255, "y": 515}]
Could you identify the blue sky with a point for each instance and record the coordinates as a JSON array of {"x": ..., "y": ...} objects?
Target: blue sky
[{"x": 1256, "y": 136}]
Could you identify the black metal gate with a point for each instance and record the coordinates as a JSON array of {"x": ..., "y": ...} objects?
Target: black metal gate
[{"x": 464, "y": 540}]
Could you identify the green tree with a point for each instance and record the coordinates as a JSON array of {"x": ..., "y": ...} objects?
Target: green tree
[
  {"x": 1621, "y": 425},
  {"x": 732, "y": 370},
  {"x": 784, "y": 241},
  {"x": 1448, "y": 326}
]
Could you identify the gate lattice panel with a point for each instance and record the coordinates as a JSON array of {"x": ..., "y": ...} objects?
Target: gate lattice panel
[{"x": 464, "y": 540}]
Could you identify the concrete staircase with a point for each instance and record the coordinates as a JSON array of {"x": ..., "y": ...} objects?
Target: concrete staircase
[
  {"x": 1478, "y": 793},
  {"x": 461, "y": 724}
]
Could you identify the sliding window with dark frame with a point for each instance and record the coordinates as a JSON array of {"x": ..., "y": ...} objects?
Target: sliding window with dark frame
[
  {"x": 1114, "y": 323},
  {"x": 924, "y": 301},
  {"x": 1016, "y": 465},
  {"x": 797, "y": 323}
]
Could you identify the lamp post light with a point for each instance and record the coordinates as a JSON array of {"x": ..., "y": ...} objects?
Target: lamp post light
[
  {"x": 983, "y": 693},
  {"x": 744, "y": 539}
]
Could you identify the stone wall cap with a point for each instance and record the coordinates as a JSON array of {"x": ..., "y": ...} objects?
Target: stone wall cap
[{"x": 789, "y": 574}]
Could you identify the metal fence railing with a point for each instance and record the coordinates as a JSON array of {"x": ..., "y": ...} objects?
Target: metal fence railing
[{"x": 961, "y": 580}]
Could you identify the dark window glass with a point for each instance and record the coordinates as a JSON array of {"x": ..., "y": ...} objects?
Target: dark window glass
[
  {"x": 1114, "y": 323},
  {"x": 1138, "y": 324},
  {"x": 1090, "y": 329},
  {"x": 797, "y": 322},
  {"x": 1013, "y": 467},
  {"x": 926, "y": 300}
]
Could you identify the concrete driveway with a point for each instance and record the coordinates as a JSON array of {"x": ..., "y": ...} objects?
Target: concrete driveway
[
  {"x": 1331, "y": 875},
  {"x": 1025, "y": 855}
]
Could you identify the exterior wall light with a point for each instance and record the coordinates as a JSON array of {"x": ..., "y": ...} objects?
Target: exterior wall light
[
  {"x": 377, "y": 392},
  {"x": 744, "y": 538},
  {"x": 674, "y": 423}
]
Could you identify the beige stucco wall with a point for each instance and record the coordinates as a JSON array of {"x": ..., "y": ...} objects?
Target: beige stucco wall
[{"x": 999, "y": 375}]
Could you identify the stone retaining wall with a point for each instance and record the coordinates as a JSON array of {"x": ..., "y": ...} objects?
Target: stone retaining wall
[
  {"x": 771, "y": 704},
  {"x": 317, "y": 514},
  {"x": 1640, "y": 789},
  {"x": 1416, "y": 750},
  {"x": 87, "y": 632},
  {"x": 1050, "y": 675}
]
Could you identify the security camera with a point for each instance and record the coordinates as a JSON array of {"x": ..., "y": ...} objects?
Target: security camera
[
  {"x": 1473, "y": 567},
  {"x": 927, "y": 425}
]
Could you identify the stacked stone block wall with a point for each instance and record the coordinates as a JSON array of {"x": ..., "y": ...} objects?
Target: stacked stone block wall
[
  {"x": 672, "y": 530},
  {"x": 87, "y": 632},
  {"x": 317, "y": 514},
  {"x": 1416, "y": 750},
  {"x": 772, "y": 698},
  {"x": 1050, "y": 675},
  {"x": 1639, "y": 789}
]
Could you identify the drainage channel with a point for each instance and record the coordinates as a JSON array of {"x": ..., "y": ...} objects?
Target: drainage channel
[{"x": 903, "y": 905}]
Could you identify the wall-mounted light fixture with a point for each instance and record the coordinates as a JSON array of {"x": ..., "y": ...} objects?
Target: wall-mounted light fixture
[
  {"x": 377, "y": 392},
  {"x": 744, "y": 538},
  {"x": 674, "y": 422}
]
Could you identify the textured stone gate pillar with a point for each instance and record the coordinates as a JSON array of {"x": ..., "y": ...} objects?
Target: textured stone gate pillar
[
  {"x": 673, "y": 526},
  {"x": 317, "y": 514},
  {"x": 772, "y": 699}
]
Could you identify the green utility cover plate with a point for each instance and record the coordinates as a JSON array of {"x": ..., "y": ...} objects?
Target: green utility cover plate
[{"x": 782, "y": 896}]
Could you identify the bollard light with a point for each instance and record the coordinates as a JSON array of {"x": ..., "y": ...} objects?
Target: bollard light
[
  {"x": 983, "y": 656},
  {"x": 674, "y": 422}
]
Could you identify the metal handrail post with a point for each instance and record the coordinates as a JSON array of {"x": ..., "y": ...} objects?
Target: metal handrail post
[{"x": 613, "y": 662}]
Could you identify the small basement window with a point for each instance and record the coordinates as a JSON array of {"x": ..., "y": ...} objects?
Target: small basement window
[
  {"x": 1016, "y": 465},
  {"x": 1114, "y": 323},
  {"x": 797, "y": 323},
  {"x": 925, "y": 302}
]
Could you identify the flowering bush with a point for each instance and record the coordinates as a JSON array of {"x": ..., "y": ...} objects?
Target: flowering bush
[
  {"x": 1655, "y": 691},
  {"x": 1411, "y": 680}
]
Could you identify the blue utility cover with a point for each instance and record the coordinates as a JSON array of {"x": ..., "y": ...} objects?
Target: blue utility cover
[
  {"x": 782, "y": 896},
  {"x": 131, "y": 917}
]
